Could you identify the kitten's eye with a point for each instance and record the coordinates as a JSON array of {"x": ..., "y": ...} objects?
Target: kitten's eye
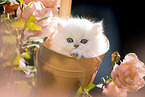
[
  {"x": 84, "y": 41},
  {"x": 70, "y": 40}
]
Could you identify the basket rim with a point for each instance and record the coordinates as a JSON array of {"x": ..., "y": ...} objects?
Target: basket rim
[{"x": 107, "y": 42}]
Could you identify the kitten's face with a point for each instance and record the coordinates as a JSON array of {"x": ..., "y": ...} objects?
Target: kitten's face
[{"x": 76, "y": 35}]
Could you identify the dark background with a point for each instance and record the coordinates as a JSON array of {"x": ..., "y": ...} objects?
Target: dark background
[
  {"x": 130, "y": 18},
  {"x": 124, "y": 23}
]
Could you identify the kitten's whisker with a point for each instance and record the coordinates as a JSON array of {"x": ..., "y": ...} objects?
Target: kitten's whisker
[
  {"x": 98, "y": 58},
  {"x": 93, "y": 56},
  {"x": 94, "y": 59}
]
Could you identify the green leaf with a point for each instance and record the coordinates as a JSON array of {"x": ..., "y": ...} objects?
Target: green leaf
[
  {"x": 29, "y": 4},
  {"x": 16, "y": 60},
  {"x": 108, "y": 80},
  {"x": 40, "y": 39},
  {"x": 79, "y": 92},
  {"x": 31, "y": 19},
  {"x": 32, "y": 26},
  {"x": 18, "y": 68},
  {"x": 12, "y": 1},
  {"x": 85, "y": 91},
  {"x": 16, "y": 57},
  {"x": 21, "y": 1},
  {"x": 18, "y": 24},
  {"x": 41, "y": 18},
  {"x": 26, "y": 55},
  {"x": 113, "y": 82},
  {"x": 32, "y": 68},
  {"x": 3, "y": 1},
  {"x": 31, "y": 45},
  {"x": 90, "y": 87}
]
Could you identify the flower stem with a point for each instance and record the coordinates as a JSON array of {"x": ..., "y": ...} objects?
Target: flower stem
[
  {"x": 109, "y": 75},
  {"x": 114, "y": 62},
  {"x": 115, "y": 59},
  {"x": 21, "y": 8}
]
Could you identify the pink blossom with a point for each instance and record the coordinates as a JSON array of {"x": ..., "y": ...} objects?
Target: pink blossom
[
  {"x": 46, "y": 3},
  {"x": 50, "y": 3},
  {"x": 27, "y": 1},
  {"x": 129, "y": 74},
  {"x": 38, "y": 10},
  {"x": 114, "y": 91}
]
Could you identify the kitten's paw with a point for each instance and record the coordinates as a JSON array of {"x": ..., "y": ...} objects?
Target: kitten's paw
[{"x": 77, "y": 53}]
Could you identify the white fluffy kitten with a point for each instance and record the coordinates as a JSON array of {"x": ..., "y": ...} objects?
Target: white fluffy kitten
[{"x": 79, "y": 38}]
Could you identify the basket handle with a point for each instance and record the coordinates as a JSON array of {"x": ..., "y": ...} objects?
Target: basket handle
[{"x": 65, "y": 8}]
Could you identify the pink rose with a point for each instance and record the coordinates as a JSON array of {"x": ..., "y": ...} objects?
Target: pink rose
[
  {"x": 50, "y": 3},
  {"x": 129, "y": 74},
  {"x": 114, "y": 91},
  {"x": 27, "y": 1},
  {"x": 38, "y": 10},
  {"x": 46, "y": 3}
]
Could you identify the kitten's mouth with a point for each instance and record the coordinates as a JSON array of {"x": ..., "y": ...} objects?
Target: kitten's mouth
[
  {"x": 78, "y": 53},
  {"x": 77, "y": 56},
  {"x": 74, "y": 55}
]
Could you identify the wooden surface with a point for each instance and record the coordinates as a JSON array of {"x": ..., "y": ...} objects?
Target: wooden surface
[{"x": 65, "y": 8}]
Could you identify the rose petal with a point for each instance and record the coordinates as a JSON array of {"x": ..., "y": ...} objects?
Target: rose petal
[
  {"x": 118, "y": 82},
  {"x": 130, "y": 56},
  {"x": 110, "y": 90},
  {"x": 129, "y": 74},
  {"x": 114, "y": 91}
]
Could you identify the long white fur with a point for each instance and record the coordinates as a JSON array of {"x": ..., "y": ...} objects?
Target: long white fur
[{"x": 78, "y": 29}]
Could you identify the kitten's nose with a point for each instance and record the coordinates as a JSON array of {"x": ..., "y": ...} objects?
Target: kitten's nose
[{"x": 76, "y": 45}]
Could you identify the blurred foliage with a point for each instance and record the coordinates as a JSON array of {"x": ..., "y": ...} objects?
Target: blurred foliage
[
  {"x": 18, "y": 23},
  {"x": 17, "y": 66},
  {"x": 8, "y": 49},
  {"x": 85, "y": 92},
  {"x": 8, "y": 1},
  {"x": 17, "y": 54}
]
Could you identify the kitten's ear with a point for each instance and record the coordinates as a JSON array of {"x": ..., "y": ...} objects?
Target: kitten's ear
[
  {"x": 98, "y": 27},
  {"x": 59, "y": 27}
]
